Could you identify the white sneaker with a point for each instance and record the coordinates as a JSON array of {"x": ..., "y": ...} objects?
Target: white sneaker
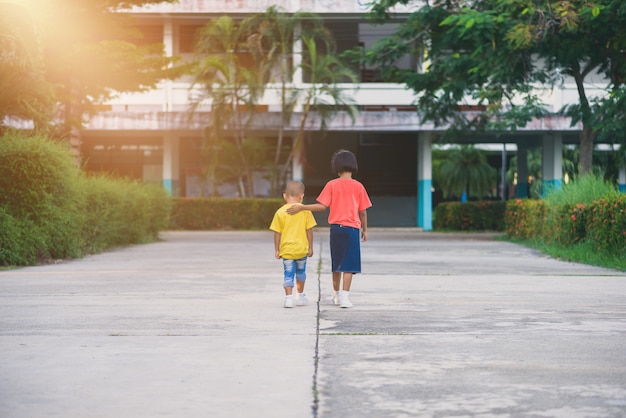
[
  {"x": 288, "y": 302},
  {"x": 336, "y": 298},
  {"x": 344, "y": 300},
  {"x": 302, "y": 300}
]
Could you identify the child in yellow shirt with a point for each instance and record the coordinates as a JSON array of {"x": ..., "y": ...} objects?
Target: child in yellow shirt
[{"x": 293, "y": 243}]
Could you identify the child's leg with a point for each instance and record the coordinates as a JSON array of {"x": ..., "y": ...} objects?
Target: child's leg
[
  {"x": 336, "y": 280},
  {"x": 300, "y": 274},
  {"x": 289, "y": 275},
  {"x": 300, "y": 286},
  {"x": 347, "y": 281}
]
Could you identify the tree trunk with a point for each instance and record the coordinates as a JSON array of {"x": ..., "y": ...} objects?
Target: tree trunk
[{"x": 585, "y": 162}]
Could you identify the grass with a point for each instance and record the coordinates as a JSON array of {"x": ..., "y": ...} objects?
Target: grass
[{"x": 580, "y": 253}]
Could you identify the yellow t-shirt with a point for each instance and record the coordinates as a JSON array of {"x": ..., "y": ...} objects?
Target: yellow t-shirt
[{"x": 292, "y": 230}]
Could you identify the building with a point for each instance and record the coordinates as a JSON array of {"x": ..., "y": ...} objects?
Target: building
[{"x": 149, "y": 136}]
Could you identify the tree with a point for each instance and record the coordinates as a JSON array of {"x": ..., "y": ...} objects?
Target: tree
[
  {"x": 24, "y": 92},
  {"x": 275, "y": 34},
  {"x": 322, "y": 96},
  {"x": 496, "y": 54},
  {"x": 231, "y": 82},
  {"x": 86, "y": 52},
  {"x": 465, "y": 172},
  {"x": 234, "y": 89}
]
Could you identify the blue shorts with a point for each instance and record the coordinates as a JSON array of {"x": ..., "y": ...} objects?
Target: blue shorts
[
  {"x": 294, "y": 269},
  {"x": 345, "y": 249}
]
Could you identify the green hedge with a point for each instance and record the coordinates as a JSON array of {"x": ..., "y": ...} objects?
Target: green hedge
[
  {"x": 602, "y": 223},
  {"x": 524, "y": 218},
  {"x": 469, "y": 216},
  {"x": 50, "y": 210},
  {"x": 605, "y": 225},
  {"x": 223, "y": 213}
]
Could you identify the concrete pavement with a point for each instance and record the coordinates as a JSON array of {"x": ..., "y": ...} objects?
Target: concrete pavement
[{"x": 444, "y": 325}]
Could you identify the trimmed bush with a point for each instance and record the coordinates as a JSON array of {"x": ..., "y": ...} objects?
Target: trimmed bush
[
  {"x": 568, "y": 209},
  {"x": 606, "y": 225},
  {"x": 122, "y": 212},
  {"x": 50, "y": 210},
  {"x": 223, "y": 213},
  {"x": 470, "y": 216},
  {"x": 21, "y": 242},
  {"x": 585, "y": 220},
  {"x": 524, "y": 218},
  {"x": 38, "y": 179}
]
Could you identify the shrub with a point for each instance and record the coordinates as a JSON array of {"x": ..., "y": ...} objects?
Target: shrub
[
  {"x": 20, "y": 241},
  {"x": 223, "y": 213},
  {"x": 471, "y": 216},
  {"x": 38, "y": 180},
  {"x": 49, "y": 209},
  {"x": 121, "y": 212},
  {"x": 606, "y": 225},
  {"x": 585, "y": 219},
  {"x": 524, "y": 218},
  {"x": 568, "y": 209}
]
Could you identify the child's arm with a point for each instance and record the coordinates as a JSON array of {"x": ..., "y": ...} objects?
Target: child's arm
[
  {"x": 363, "y": 218},
  {"x": 314, "y": 207},
  {"x": 277, "y": 244},
  {"x": 309, "y": 237}
]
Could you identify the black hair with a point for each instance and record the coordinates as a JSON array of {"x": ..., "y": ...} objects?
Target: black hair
[{"x": 342, "y": 161}]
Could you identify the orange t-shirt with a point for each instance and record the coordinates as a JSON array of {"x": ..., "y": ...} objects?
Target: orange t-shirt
[{"x": 345, "y": 198}]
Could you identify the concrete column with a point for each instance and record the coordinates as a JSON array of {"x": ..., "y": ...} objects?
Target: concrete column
[
  {"x": 168, "y": 42},
  {"x": 521, "y": 190},
  {"x": 171, "y": 164},
  {"x": 424, "y": 181},
  {"x": 552, "y": 162},
  {"x": 622, "y": 178}
]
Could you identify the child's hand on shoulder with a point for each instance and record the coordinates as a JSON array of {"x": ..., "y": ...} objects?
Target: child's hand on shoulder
[{"x": 294, "y": 209}]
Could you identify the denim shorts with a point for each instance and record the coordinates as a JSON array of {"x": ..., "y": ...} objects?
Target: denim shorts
[
  {"x": 294, "y": 269},
  {"x": 345, "y": 249}
]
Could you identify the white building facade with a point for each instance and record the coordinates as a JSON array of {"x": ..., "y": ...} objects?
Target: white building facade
[{"x": 150, "y": 136}]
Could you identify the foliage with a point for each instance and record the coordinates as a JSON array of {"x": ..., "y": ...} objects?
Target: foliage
[
  {"x": 272, "y": 43},
  {"x": 568, "y": 208},
  {"x": 121, "y": 212},
  {"x": 38, "y": 180},
  {"x": 495, "y": 54},
  {"x": 74, "y": 53},
  {"x": 583, "y": 252},
  {"x": 233, "y": 88},
  {"x": 471, "y": 216},
  {"x": 21, "y": 242},
  {"x": 606, "y": 225},
  {"x": 466, "y": 171},
  {"x": 222, "y": 213},
  {"x": 50, "y": 210},
  {"x": 24, "y": 92},
  {"x": 610, "y": 118},
  {"x": 524, "y": 218},
  {"x": 587, "y": 212},
  {"x": 322, "y": 97}
]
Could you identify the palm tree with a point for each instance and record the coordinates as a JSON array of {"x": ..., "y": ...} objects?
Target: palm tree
[
  {"x": 322, "y": 95},
  {"x": 466, "y": 172},
  {"x": 233, "y": 88},
  {"x": 276, "y": 32},
  {"x": 534, "y": 168}
]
